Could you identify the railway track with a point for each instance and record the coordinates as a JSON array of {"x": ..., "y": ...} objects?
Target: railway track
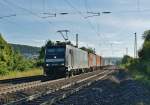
[
  {"x": 52, "y": 98},
  {"x": 17, "y": 87},
  {"x": 23, "y": 86},
  {"x": 23, "y": 80},
  {"x": 50, "y": 87}
]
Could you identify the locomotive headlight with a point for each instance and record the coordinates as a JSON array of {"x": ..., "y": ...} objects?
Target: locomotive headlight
[
  {"x": 47, "y": 65},
  {"x": 62, "y": 64}
]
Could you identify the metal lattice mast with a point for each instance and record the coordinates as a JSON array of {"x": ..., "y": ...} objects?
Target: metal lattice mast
[{"x": 135, "y": 46}]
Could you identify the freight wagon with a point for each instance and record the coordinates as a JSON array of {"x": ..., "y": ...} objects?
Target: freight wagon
[
  {"x": 62, "y": 60},
  {"x": 92, "y": 61}
]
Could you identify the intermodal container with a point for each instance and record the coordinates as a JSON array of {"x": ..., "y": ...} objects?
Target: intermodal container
[{"x": 92, "y": 60}]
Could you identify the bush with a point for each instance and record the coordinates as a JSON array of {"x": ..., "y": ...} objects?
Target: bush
[
  {"x": 11, "y": 60},
  {"x": 40, "y": 62},
  {"x": 140, "y": 68},
  {"x": 3, "y": 68}
]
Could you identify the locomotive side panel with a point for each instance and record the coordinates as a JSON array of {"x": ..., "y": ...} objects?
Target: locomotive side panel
[{"x": 76, "y": 58}]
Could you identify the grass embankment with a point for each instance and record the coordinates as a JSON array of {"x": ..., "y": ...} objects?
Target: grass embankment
[
  {"x": 17, "y": 74},
  {"x": 138, "y": 74},
  {"x": 142, "y": 77}
]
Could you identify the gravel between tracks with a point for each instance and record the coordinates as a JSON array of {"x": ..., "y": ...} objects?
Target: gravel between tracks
[
  {"x": 118, "y": 89},
  {"x": 53, "y": 85}
]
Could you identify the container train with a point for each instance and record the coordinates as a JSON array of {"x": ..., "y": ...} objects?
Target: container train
[{"x": 67, "y": 60}]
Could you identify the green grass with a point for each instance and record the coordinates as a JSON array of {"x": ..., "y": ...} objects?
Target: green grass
[
  {"x": 17, "y": 74},
  {"x": 141, "y": 77}
]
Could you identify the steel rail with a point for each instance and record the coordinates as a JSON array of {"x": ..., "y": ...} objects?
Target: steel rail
[{"x": 32, "y": 97}]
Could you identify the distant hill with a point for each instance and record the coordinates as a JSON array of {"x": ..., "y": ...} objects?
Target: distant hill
[
  {"x": 112, "y": 60},
  {"x": 27, "y": 51}
]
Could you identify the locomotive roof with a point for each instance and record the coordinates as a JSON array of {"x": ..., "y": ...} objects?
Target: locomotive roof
[
  {"x": 64, "y": 45},
  {"x": 60, "y": 45}
]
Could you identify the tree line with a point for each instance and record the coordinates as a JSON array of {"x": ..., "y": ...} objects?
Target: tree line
[
  {"x": 11, "y": 58},
  {"x": 140, "y": 67}
]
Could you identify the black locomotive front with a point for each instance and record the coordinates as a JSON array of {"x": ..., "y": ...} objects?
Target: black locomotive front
[{"x": 54, "y": 63}]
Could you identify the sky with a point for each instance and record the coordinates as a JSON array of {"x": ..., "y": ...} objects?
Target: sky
[{"x": 33, "y": 22}]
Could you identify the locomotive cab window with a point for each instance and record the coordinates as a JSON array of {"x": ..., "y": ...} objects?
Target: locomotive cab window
[
  {"x": 51, "y": 50},
  {"x": 55, "y": 56},
  {"x": 55, "y": 50}
]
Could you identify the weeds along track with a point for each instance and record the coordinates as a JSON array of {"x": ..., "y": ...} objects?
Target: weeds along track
[{"x": 31, "y": 91}]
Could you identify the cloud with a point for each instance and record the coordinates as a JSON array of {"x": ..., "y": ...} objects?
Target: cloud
[
  {"x": 116, "y": 42},
  {"x": 38, "y": 40},
  {"x": 85, "y": 44}
]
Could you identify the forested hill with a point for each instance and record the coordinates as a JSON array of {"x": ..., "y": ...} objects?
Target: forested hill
[
  {"x": 25, "y": 49},
  {"x": 11, "y": 60}
]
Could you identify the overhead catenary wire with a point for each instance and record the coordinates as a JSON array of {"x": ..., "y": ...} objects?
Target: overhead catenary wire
[
  {"x": 138, "y": 5},
  {"x": 20, "y": 7},
  {"x": 85, "y": 5},
  {"x": 97, "y": 14},
  {"x": 80, "y": 13},
  {"x": 98, "y": 33},
  {"x": 88, "y": 21},
  {"x": 7, "y": 16},
  {"x": 27, "y": 10},
  {"x": 5, "y": 4},
  {"x": 44, "y": 5},
  {"x": 87, "y": 10}
]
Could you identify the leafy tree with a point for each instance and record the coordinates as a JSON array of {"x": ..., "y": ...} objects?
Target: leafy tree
[
  {"x": 146, "y": 35},
  {"x": 144, "y": 53},
  {"x": 10, "y": 59},
  {"x": 90, "y": 50},
  {"x": 126, "y": 59}
]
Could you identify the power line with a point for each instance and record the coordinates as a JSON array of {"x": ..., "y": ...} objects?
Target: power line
[
  {"x": 5, "y": 4},
  {"x": 98, "y": 32},
  {"x": 80, "y": 13},
  {"x": 27, "y": 10},
  {"x": 85, "y": 5},
  {"x": 99, "y": 35},
  {"x": 138, "y": 5},
  {"x": 44, "y": 5},
  {"x": 15, "y": 5},
  {"x": 7, "y": 16},
  {"x": 95, "y": 14},
  {"x": 89, "y": 22},
  {"x": 10, "y": 22}
]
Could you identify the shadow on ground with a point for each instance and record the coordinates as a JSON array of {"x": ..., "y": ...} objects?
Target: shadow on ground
[{"x": 118, "y": 89}]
